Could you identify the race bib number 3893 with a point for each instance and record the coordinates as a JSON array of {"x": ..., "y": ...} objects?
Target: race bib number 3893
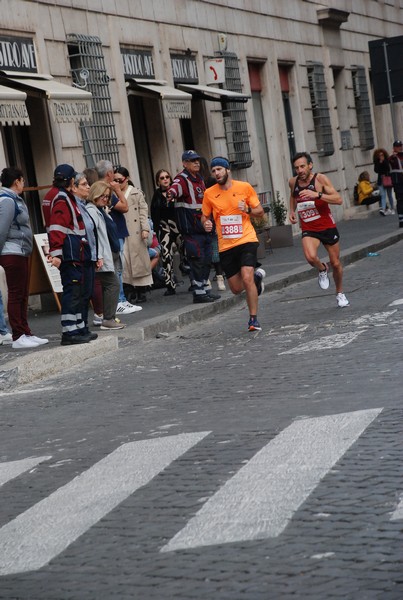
[{"x": 231, "y": 226}]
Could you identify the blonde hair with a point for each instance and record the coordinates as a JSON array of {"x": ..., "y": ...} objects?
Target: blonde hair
[{"x": 97, "y": 189}]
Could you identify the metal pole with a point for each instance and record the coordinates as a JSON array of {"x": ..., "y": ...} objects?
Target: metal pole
[{"x": 392, "y": 108}]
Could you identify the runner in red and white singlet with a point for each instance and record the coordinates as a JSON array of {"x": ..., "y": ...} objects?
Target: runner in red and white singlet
[{"x": 310, "y": 197}]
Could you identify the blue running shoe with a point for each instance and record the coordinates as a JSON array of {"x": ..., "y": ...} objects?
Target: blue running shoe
[
  {"x": 260, "y": 274},
  {"x": 254, "y": 325}
]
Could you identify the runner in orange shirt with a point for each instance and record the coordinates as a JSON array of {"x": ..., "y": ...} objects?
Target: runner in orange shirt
[{"x": 231, "y": 203}]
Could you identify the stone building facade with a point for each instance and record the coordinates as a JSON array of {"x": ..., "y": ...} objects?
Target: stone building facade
[{"x": 138, "y": 81}]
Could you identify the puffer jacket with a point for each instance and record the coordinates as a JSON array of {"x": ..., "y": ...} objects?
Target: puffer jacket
[
  {"x": 15, "y": 230},
  {"x": 67, "y": 235}
]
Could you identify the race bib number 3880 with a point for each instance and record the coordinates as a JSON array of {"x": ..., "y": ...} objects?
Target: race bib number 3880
[{"x": 231, "y": 226}]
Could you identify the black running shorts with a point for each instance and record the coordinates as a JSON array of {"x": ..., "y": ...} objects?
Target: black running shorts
[
  {"x": 243, "y": 255},
  {"x": 328, "y": 237}
]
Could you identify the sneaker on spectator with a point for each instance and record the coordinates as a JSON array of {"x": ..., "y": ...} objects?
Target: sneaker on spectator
[
  {"x": 220, "y": 283},
  {"x": 38, "y": 340},
  {"x": 260, "y": 274},
  {"x": 323, "y": 278},
  {"x": 97, "y": 320},
  {"x": 254, "y": 325},
  {"x": 24, "y": 342},
  {"x": 130, "y": 305},
  {"x": 342, "y": 300},
  {"x": 6, "y": 338},
  {"x": 125, "y": 308},
  {"x": 112, "y": 324}
]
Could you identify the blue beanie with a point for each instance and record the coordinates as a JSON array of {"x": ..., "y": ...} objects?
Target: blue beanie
[{"x": 219, "y": 161}]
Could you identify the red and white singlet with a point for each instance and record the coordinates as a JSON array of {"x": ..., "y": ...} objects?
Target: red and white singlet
[{"x": 314, "y": 215}]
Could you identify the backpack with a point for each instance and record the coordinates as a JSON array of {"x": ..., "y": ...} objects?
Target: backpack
[{"x": 355, "y": 194}]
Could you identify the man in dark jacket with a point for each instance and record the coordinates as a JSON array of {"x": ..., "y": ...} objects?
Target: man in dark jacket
[
  {"x": 188, "y": 190},
  {"x": 396, "y": 172},
  {"x": 69, "y": 249}
]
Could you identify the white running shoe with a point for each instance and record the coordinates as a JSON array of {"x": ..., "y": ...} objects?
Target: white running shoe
[
  {"x": 123, "y": 309},
  {"x": 259, "y": 275},
  {"x": 38, "y": 340},
  {"x": 323, "y": 279},
  {"x": 342, "y": 300},
  {"x": 97, "y": 320},
  {"x": 6, "y": 338},
  {"x": 24, "y": 342}
]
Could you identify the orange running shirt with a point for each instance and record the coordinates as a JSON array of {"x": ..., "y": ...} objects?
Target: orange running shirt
[{"x": 233, "y": 226}]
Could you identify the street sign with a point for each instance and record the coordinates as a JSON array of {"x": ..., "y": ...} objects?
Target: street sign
[{"x": 387, "y": 69}]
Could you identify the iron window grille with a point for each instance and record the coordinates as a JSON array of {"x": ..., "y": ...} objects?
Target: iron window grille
[
  {"x": 320, "y": 109},
  {"x": 234, "y": 116},
  {"x": 362, "y": 107},
  {"x": 88, "y": 71}
]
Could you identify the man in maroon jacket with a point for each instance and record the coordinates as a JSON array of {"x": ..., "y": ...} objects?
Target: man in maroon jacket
[{"x": 69, "y": 249}]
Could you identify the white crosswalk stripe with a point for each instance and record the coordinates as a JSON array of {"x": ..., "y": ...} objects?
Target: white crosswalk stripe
[
  {"x": 39, "y": 534},
  {"x": 261, "y": 498},
  {"x": 11, "y": 470},
  {"x": 256, "y": 503}
]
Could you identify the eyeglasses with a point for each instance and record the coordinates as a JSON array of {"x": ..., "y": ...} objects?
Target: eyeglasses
[
  {"x": 120, "y": 180},
  {"x": 165, "y": 177},
  {"x": 104, "y": 197}
]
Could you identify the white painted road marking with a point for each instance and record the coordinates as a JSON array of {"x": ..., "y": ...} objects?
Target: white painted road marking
[
  {"x": 374, "y": 319},
  {"x": 398, "y": 513},
  {"x": 11, "y": 470},
  {"x": 328, "y": 342},
  {"x": 39, "y": 534},
  {"x": 261, "y": 498}
]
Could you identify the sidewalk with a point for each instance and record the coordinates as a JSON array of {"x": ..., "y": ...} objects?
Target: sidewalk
[{"x": 162, "y": 315}]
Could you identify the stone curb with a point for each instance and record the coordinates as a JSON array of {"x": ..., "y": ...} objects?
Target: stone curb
[{"x": 39, "y": 365}]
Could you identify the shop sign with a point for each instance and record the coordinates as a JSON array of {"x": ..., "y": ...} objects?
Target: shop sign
[
  {"x": 137, "y": 63},
  {"x": 17, "y": 54},
  {"x": 177, "y": 109},
  {"x": 214, "y": 70},
  {"x": 71, "y": 111},
  {"x": 184, "y": 68},
  {"x": 13, "y": 112}
]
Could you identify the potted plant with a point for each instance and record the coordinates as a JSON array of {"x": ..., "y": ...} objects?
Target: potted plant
[{"x": 280, "y": 233}]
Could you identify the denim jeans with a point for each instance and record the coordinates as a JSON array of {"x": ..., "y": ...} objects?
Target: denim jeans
[
  {"x": 122, "y": 297},
  {"x": 3, "y": 326},
  {"x": 386, "y": 192}
]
